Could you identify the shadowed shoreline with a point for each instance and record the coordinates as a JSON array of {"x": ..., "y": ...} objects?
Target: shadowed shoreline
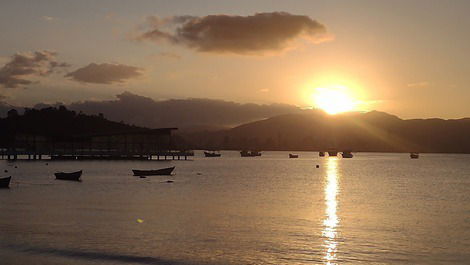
[{"x": 93, "y": 255}]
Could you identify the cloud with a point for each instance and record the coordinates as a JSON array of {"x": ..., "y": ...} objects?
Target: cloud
[
  {"x": 256, "y": 34},
  {"x": 23, "y": 66},
  {"x": 105, "y": 73}
]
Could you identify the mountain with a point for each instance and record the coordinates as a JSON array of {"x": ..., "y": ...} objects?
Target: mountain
[
  {"x": 315, "y": 130},
  {"x": 58, "y": 123},
  {"x": 302, "y": 130},
  {"x": 187, "y": 114},
  {"x": 190, "y": 114},
  {"x": 4, "y": 108}
]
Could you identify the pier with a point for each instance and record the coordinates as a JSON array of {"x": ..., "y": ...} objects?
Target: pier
[{"x": 148, "y": 144}]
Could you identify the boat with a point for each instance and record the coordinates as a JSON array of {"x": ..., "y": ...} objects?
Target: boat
[
  {"x": 321, "y": 153},
  {"x": 347, "y": 154},
  {"x": 68, "y": 176},
  {"x": 154, "y": 172},
  {"x": 246, "y": 153},
  {"x": 293, "y": 156},
  {"x": 332, "y": 153},
  {"x": 414, "y": 155},
  {"x": 5, "y": 182},
  {"x": 212, "y": 154}
]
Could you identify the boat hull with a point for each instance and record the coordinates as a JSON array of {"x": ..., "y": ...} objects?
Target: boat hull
[
  {"x": 156, "y": 172},
  {"x": 347, "y": 155},
  {"x": 249, "y": 153},
  {"x": 74, "y": 176},
  {"x": 209, "y": 154},
  {"x": 414, "y": 156},
  {"x": 321, "y": 154},
  {"x": 332, "y": 153},
  {"x": 293, "y": 156},
  {"x": 5, "y": 182}
]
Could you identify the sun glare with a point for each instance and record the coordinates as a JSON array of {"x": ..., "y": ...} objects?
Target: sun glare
[{"x": 333, "y": 99}]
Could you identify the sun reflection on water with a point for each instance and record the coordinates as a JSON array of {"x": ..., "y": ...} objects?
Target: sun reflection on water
[{"x": 331, "y": 221}]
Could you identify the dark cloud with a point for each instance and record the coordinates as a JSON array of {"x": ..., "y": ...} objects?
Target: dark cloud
[
  {"x": 105, "y": 73},
  {"x": 22, "y": 66},
  {"x": 259, "y": 33}
]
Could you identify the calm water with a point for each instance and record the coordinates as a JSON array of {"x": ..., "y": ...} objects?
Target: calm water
[{"x": 372, "y": 209}]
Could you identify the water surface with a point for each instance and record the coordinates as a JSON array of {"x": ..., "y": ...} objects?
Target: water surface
[{"x": 371, "y": 209}]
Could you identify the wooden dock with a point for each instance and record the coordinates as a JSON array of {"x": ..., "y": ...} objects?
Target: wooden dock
[
  {"x": 151, "y": 144},
  {"x": 93, "y": 155}
]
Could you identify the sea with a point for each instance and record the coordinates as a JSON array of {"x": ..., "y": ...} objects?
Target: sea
[{"x": 375, "y": 208}]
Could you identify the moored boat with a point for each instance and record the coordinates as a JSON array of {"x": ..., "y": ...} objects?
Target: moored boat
[
  {"x": 332, "y": 153},
  {"x": 414, "y": 155},
  {"x": 153, "y": 172},
  {"x": 321, "y": 153},
  {"x": 293, "y": 156},
  {"x": 68, "y": 175},
  {"x": 246, "y": 153},
  {"x": 212, "y": 154},
  {"x": 5, "y": 182},
  {"x": 347, "y": 154}
]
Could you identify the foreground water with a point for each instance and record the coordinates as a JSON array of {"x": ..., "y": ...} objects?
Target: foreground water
[{"x": 372, "y": 209}]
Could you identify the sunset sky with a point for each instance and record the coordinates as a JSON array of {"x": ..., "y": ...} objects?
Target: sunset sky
[{"x": 409, "y": 58}]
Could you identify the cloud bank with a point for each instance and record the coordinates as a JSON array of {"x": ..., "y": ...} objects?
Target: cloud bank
[
  {"x": 256, "y": 34},
  {"x": 105, "y": 73},
  {"x": 23, "y": 66}
]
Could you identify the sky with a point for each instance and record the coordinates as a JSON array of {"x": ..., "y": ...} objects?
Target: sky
[{"x": 409, "y": 58}]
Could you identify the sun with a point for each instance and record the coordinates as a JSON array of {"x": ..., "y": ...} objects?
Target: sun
[{"x": 333, "y": 99}]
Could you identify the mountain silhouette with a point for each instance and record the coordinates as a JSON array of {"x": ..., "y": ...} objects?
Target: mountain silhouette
[
  {"x": 195, "y": 114},
  {"x": 191, "y": 114},
  {"x": 208, "y": 124},
  {"x": 315, "y": 130},
  {"x": 57, "y": 123}
]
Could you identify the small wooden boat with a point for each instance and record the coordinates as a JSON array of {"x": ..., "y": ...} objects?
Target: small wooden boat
[
  {"x": 332, "y": 153},
  {"x": 293, "y": 156},
  {"x": 68, "y": 176},
  {"x": 347, "y": 154},
  {"x": 212, "y": 154},
  {"x": 414, "y": 155},
  {"x": 321, "y": 154},
  {"x": 153, "y": 172},
  {"x": 5, "y": 182}
]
